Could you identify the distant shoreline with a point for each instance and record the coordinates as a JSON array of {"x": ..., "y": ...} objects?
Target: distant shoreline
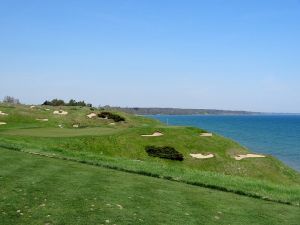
[{"x": 180, "y": 111}]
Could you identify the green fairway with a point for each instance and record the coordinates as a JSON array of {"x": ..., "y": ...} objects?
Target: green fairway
[{"x": 39, "y": 190}]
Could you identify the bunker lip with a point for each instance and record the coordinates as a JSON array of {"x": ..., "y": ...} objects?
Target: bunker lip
[
  {"x": 202, "y": 156},
  {"x": 240, "y": 157},
  {"x": 60, "y": 112},
  {"x": 155, "y": 134},
  {"x": 39, "y": 119},
  {"x": 3, "y": 114},
  {"x": 206, "y": 135}
]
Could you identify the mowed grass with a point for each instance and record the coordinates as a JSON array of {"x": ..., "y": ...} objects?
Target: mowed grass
[{"x": 39, "y": 190}]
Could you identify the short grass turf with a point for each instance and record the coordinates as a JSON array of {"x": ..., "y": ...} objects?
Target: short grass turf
[{"x": 39, "y": 190}]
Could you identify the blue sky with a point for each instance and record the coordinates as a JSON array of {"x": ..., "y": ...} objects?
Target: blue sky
[{"x": 220, "y": 54}]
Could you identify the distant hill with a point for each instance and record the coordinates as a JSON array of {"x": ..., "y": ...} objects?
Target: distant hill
[{"x": 178, "y": 111}]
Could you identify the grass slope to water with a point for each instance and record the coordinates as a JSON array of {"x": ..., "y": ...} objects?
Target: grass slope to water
[
  {"x": 121, "y": 146},
  {"x": 39, "y": 190}
]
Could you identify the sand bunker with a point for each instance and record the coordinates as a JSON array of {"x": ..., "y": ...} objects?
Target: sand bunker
[
  {"x": 2, "y": 123},
  {"x": 201, "y": 156},
  {"x": 42, "y": 119},
  {"x": 60, "y": 112},
  {"x": 91, "y": 115},
  {"x": 239, "y": 157},
  {"x": 112, "y": 124},
  {"x": 3, "y": 114},
  {"x": 155, "y": 134},
  {"x": 206, "y": 135}
]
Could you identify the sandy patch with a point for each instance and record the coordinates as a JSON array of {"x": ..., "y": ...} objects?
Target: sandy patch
[
  {"x": 91, "y": 115},
  {"x": 3, "y": 114},
  {"x": 206, "y": 135},
  {"x": 239, "y": 157},
  {"x": 32, "y": 106},
  {"x": 60, "y": 112},
  {"x": 47, "y": 109},
  {"x": 75, "y": 125},
  {"x": 112, "y": 124},
  {"x": 42, "y": 119},
  {"x": 155, "y": 134},
  {"x": 2, "y": 123},
  {"x": 202, "y": 156}
]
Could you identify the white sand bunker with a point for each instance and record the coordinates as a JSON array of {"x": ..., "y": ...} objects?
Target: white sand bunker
[
  {"x": 202, "y": 156},
  {"x": 3, "y": 114},
  {"x": 2, "y": 123},
  {"x": 155, "y": 134},
  {"x": 239, "y": 157},
  {"x": 206, "y": 135},
  {"x": 91, "y": 115},
  {"x": 60, "y": 112},
  {"x": 42, "y": 119}
]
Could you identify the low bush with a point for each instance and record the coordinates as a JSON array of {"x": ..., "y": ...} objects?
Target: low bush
[
  {"x": 109, "y": 115},
  {"x": 165, "y": 152}
]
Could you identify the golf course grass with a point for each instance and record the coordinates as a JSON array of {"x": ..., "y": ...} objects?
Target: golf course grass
[
  {"x": 39, "y": 190},
  {"x": 98, "y": 172}
]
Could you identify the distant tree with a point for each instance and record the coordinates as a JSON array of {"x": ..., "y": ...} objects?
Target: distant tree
[
  {"x": 81, "y": 103},
  {"x": 11, "y": 100},
  {"x": 57, "y": 102},
  {"x": 46, "y": 103},
  {"x": 72, "y": 102}
]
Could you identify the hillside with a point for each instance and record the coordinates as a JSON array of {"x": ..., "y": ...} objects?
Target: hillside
[{"x": 121, "y": 146}]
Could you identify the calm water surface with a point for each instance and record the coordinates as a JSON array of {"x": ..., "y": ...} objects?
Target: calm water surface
[{"x": 278, "y": 135}]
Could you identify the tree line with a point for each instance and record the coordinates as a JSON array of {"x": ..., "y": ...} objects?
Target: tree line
[{"x": 60, "y": 102}]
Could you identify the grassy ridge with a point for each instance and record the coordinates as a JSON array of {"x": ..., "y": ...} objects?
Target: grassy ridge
[
  {"x": 38, "y": 190},
  {"x": 242, "y": 186}
]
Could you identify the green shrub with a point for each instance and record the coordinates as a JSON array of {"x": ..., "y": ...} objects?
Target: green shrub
[
  {"x": 165, "y": 152},
  {"x": 109, "y": 115}
]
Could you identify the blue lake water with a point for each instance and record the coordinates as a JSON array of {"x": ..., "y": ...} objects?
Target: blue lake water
[{"x": 277, "y": 135}]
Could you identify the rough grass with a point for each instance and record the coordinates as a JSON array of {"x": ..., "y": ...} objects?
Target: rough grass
[
  {"x": 62, "y": 132},
  {"x": 38, "y": 190}
]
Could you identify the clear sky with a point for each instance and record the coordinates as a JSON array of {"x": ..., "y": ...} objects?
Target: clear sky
[{"x": 221, "y": 54}]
